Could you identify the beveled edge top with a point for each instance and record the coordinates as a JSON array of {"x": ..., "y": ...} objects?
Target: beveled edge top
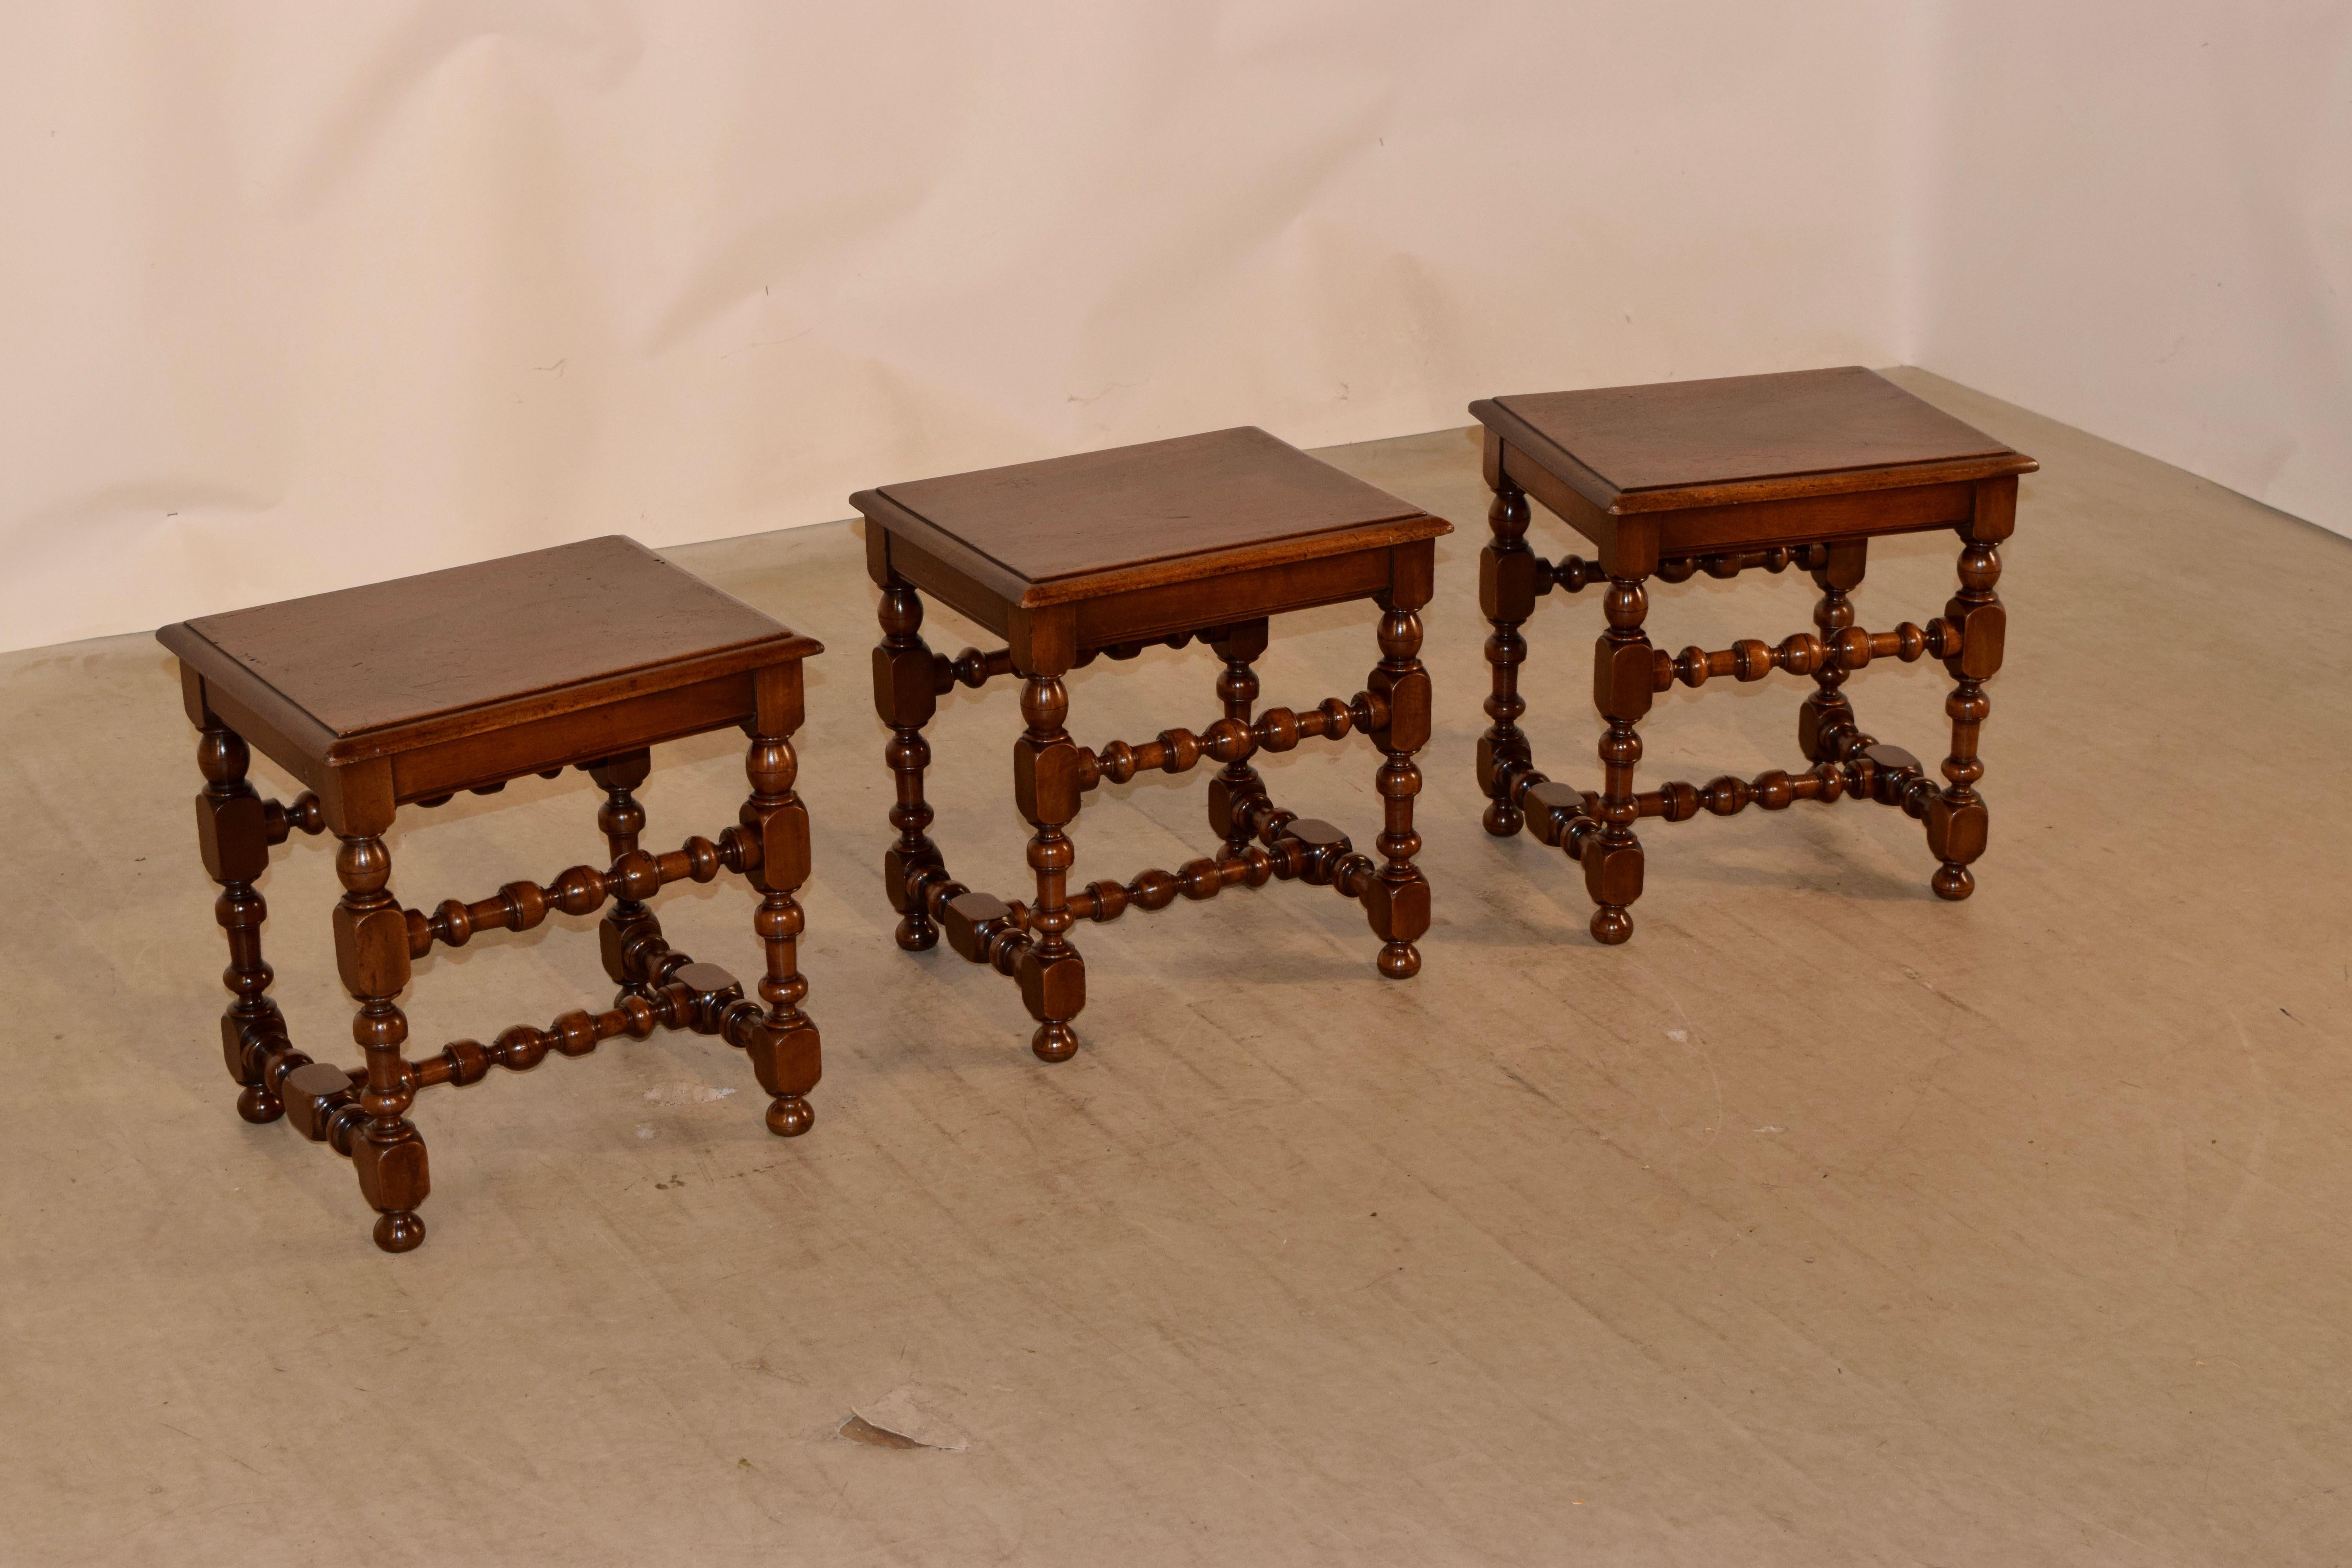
[
  {"x": 881, "y": 508},
  {"x": 1504, "y": 421},
  {"x": 188, "y": 641}
]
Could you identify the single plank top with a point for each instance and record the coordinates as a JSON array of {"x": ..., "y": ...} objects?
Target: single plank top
[
  {"x": 390, "y": 653},
  {"x": 1132, "y": 507},
  {"x": 1686, "y": 442}
]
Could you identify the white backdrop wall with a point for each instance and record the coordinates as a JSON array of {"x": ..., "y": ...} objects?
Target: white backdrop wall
[
  {"x": 296, "y": 295},
  {"x": 2136, "y": 217}
]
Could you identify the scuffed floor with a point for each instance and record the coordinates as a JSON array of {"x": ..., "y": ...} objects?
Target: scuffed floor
[{"x": 1825, "y": 1224}]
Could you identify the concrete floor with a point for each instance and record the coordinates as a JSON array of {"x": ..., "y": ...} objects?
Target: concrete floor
[{"x": 1825, "y": 1224}]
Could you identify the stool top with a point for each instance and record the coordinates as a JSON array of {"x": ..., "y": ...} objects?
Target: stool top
[
  {"x": 1679, "y": 444},
  {"x": 1070, "y": 527},
  {"x": 573, "y": 625}
]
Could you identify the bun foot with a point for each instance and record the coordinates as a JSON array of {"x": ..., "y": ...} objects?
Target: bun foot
[
  {"x": 1610, "y": 925},
  {"x": 1400, "y": 961},
  {"x": 1953, "y": 881},
  {"x": 259, "y": 1106},
  {"x": 790, "y": 1115},
  {"x": 917, "y": 936},
  {"x": 1503, "y": 819},
  {"x": 400, "y": 1231},
  {"x": 1054, "y": 1042}
]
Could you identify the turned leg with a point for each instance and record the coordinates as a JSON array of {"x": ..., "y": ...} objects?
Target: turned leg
[
  {"x": 1236, "y": 788},
  {"x": 622, "y": 819},
  {"x": 372, "y": 951},
  {"x": 784, "y": 1049},
  {"x": 1398, "y": 902},
  {"x": 231, "y": 831},
  {"x": 1957, "y": 821},
  {"x": 1046, "y": 785},
  {"x": 1507, "y": 596},
  {"x": 905, "y": 695},
  {"x": 1825, "y": 725},
  {"x": 1624, "y": 678}
]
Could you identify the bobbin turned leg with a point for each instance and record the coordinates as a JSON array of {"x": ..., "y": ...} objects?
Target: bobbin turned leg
[
  {"x": 371, "y": 952},
  {"x": 1506, "y": 597},
  {"x": 1397, "y": 903},
  {"x": 232, "y": 832},
  {"x": 906, "y": 696},
  {"x": 1826, "y": 731},
  {"x": 622, "y": 818},
  {"x": 1957, "y": 819},
  {"x": 1236, "y": 791},
  {"x": 1046, "y": 785},
  {"x": 784, "y": 1049},
  {"x": 1622, "y": 684}
]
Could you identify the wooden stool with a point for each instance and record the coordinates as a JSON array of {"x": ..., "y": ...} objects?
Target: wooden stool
[
  {"x": 1721, "y": 477},
  {"x": 1202, "y": 537},
  {"x": 411, "y": 690}
]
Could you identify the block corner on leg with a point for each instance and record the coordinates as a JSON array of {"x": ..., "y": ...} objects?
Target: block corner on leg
[
  {"x": 1398, "y": 910},
  {"x": 1053, "y": 988},
  {"x": 233, "y": 836},
  {"x": 619, "y": 945},
  {"x": 787, "y": 1057},
  {"x": 900, "y": 866},
  {"x": 395, "y": 1178},
  {"x": 1958, "y": 830},
  {"x": 1612, "y": 879},
  {"x": 1230, "y": 804},
  {"x": 1498, "y": 766},
  {"x": 1956, "y": 833},
  {"x": 1818, "y": 718},
  {"x": 972, "y": 920}
]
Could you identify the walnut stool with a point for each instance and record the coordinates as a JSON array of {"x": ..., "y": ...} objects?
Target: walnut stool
[
  {"x": 1202, "y": 537},
  {"x": 408, "y": 691},
  {"x": 1721, "y": 477}
]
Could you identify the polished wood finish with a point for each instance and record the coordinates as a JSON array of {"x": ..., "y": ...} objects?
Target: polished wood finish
[
  {"x": 582, "y": 657},
  {"x": 1766, "y": 472},
  {"x": 1163, "y": 513},
  {"x": 493, "y": 646},
  {"x": 1206, "y": 537},
  {"x": 1677, "y": 444}
]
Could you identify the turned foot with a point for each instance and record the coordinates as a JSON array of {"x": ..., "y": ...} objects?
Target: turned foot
[
  {"x": 1953, "y": 881},
  {"x": 1503, "y": 819},
  {"x": 1612, "y": 924},
  {"x": 790, "y": 1115},
  {"x": 399, "y": 1231},
  {"x": 1054, "y": 1042},
  {"x": 1400, "y": 960},
  {"x": 916, "y": 934},
  {"x": 257, "y": 1105}
]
